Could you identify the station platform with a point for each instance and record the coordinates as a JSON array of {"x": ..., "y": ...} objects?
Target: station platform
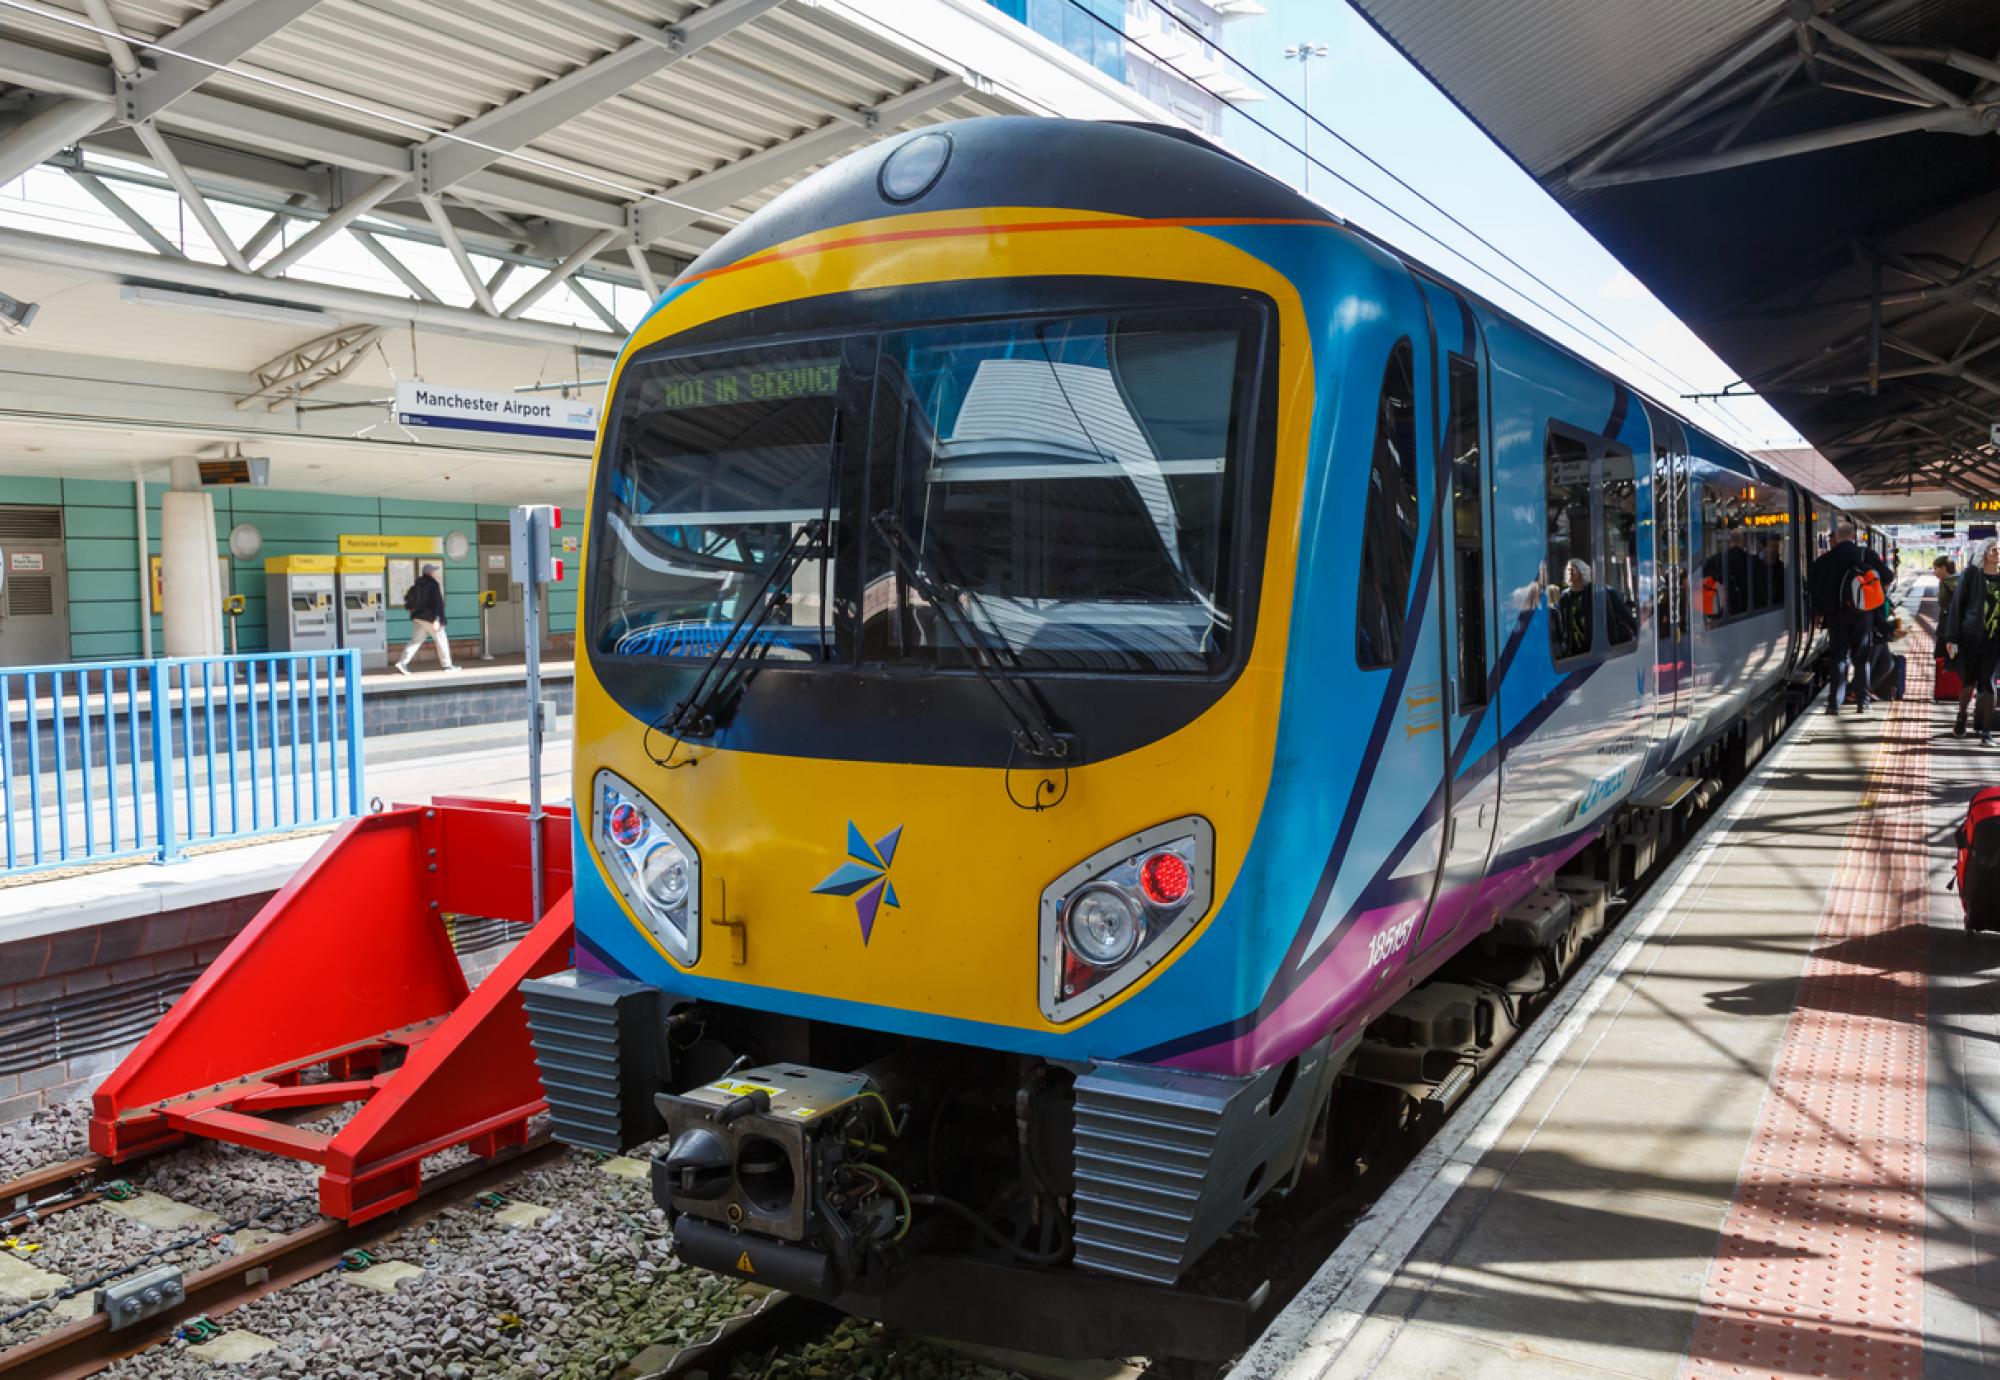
[{"x": 1758, "y": 1134}]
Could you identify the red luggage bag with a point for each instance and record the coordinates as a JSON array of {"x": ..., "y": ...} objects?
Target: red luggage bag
[{"x": 1945, "y": 686}]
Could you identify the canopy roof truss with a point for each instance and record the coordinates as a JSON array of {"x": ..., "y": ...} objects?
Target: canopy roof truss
[
  {"x": 565, "y": 143},
  {"x": 1812, "y": 185}
]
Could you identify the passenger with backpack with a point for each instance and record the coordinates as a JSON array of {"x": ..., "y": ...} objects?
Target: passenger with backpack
[
  {"x": 424, "y": 601},
  {"x": 1970, "y": 630},
  {"x": 1848, "y": 584}
]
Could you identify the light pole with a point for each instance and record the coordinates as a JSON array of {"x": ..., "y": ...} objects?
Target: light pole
[{"x": 1303, "y": 54}]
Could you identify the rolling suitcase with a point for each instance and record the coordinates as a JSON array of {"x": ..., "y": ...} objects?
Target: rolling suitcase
[{"x": 1977, "y": 878}]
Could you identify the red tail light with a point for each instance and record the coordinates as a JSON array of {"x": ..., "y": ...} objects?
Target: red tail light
[{"x": 1164, "y": 878}]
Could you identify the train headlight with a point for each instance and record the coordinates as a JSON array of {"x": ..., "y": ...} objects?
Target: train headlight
[
  {"x": 664, "y": 873},
  {"x": 1120, "y": 912},
  {"x": 651, "y": 862},
  {"x": 1101, "y": 926}
]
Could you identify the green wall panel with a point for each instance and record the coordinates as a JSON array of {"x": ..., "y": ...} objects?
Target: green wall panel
[
  {"x": 22, "y": 490},
  {"x": 97, "y": 493},
  {"x": 90, "y": 586},
  {"x": 86, "y": 646},
  {"x": 101, "y": 553},
  {"x": 107, "y": 616},
  {"x": 312, "y": 527},
  {"x": 99, "y": 522},
  {"x": 246, "y": 501}
]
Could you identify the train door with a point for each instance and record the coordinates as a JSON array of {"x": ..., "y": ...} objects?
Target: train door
[
  {"x": 1799, "y": 557},
  {"x": 1467, "y": 631},
  {"x": 1673, "y": 653}
]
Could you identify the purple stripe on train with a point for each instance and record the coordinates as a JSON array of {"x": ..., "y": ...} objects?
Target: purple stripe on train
[{"x": 1334, "y": 992}]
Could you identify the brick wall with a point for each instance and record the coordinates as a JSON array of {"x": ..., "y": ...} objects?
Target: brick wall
[
  {"x": 388, "y": 710},
  {"x": 148, "y": 961},
  {"x": 166, "y": 952}
]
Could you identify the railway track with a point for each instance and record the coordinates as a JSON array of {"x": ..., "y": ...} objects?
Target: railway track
[{"x": 89, "y": 1344}]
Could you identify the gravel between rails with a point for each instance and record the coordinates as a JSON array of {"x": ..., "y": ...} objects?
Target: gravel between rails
[
  {"x": 577, "y": 1295},
  {"x": 242, "y": 1187},
  {"x": 50, "y": 1136}
]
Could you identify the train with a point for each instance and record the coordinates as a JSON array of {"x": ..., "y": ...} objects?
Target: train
[{"x": 1100, "y": 685}]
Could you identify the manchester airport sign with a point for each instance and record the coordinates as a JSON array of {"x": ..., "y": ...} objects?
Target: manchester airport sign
[{"x": 478, "y": 409}]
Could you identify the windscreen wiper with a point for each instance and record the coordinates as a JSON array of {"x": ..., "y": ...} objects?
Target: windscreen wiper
[
  {"x": 1033, "y": 734},
  {"x": 725, "y": 670}
]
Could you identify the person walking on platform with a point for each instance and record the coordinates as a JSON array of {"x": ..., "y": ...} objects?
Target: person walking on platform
[
  {"x": 1970, "y": 629},
  {"x": 425, "y": 602},
  {"x": 1848, "y": 583}
]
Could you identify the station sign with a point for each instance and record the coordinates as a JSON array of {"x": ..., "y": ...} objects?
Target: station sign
[
  {"x": 372, "y": 544},
  {"x": 479, "y": 409}
]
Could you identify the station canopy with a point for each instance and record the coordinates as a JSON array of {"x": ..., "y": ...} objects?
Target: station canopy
[
  {"x": 1813, "y": 186},
  {"x": 333, "y": 185},
  {"x": 585, "y": 141}
]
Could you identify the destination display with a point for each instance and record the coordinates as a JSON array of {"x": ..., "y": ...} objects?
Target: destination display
[{"x": 765, "y": 383}]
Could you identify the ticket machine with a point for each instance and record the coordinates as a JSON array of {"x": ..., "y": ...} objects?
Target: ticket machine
[
  {"x": 299, "y": 603},
  {"x": 364, "y": 616}
]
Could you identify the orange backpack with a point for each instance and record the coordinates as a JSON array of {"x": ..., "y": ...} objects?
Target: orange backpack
[{"x": 1863, "y": 591}]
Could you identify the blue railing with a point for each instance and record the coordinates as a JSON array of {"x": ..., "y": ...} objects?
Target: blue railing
[{"x": 138, "y": 759}]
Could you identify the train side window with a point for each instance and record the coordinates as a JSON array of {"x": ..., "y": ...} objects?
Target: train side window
[
  {"x": 1770, "y": 518},
  {"x": 1728, "y": 572},
  {"x": 1389, "y": 526},
  {"x": 1618, "y": 571},
  {"x": 1468, "y": 522},
  {"x": 1572, "y": 567}
]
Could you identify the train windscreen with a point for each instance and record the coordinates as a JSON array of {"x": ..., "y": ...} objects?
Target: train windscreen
[{"x": 1068, "y": 483}]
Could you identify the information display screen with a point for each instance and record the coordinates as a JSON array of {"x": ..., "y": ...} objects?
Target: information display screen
[{"x": 720, "y": 387}]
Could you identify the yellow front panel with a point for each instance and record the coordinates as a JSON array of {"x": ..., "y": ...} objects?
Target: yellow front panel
[{"x": 970, "y": 865}]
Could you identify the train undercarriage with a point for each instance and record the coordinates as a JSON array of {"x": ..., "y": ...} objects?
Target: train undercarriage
[{"x": 1097, "y": 1209}]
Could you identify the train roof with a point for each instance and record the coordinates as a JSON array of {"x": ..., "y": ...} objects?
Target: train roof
[{"x": 1145, "y": 171}]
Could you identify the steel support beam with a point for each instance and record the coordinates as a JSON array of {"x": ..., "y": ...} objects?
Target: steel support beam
[
  {"x": 190, "y": 55},
  {"x": 57, "y": 74},
  {"x": 549, "y": 281},
  {"x": 335, "y": 222},
  {"x": 418, "y": 288},
  {"x": 48, "y": 130},
  {"x": 185, "y": 58},
  {"x": 711, "y": 191},
  {"x": 106, "y": 263},
  {"x": 1960, "y": 120},
  {"x": 597, "y": 308},
  {"x": 449, "y": 234},
  {"x": 1766, "y": 38},
  {"x": 640, "y": 266},
  {"x": 192, "y": 197},
  {"x": 126, "y": 212},
  {"x": 449, "y": 159}
]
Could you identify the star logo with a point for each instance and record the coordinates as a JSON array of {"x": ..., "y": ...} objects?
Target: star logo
[{"x": 867, "y": 873}]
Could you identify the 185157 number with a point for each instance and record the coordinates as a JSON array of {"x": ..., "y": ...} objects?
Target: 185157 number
[{"x": 1390, "y": 940}]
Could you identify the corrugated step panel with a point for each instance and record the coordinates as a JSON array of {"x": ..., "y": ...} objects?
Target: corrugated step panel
[
  {"x": 597, "y": 1044},
  {"x": 1143, "y": 1155}
]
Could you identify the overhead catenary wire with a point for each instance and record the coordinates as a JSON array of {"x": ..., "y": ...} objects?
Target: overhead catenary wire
[{"x": 1633, "y": 355}]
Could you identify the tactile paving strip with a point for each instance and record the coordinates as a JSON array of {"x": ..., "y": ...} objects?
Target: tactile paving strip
[{"x": 1819, "y": 1268}]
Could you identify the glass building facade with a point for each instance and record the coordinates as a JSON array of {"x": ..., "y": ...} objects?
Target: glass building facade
[{"x": 1092, "y": 29}]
